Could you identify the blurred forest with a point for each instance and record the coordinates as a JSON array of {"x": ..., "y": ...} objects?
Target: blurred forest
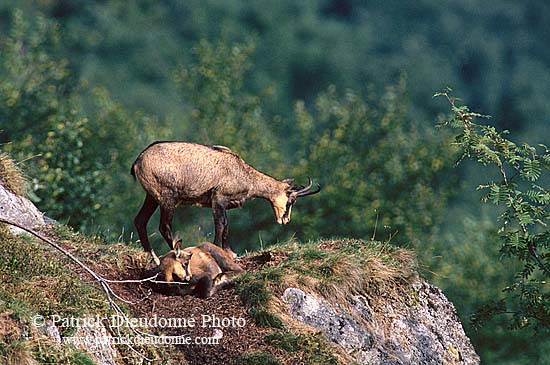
[{"x": 339, "y": 90}]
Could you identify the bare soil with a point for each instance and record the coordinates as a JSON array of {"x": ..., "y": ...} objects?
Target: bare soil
[{"x": 225, "y": 305}]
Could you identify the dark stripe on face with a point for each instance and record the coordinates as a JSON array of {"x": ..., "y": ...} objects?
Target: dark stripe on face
[
  {"x": 187, "y": 273},
  {"x": 288, "y": 206}
]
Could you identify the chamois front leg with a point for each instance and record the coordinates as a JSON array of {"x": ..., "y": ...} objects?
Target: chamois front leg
[
  {"x": 221, "y": 226},
  {"x": 165, "y": 226}
]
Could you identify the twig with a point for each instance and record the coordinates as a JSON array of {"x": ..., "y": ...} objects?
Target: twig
[
  {"x": 375, "y": 227},
  {"x": 28, "y": 158},
  {"x": 533, "y": 251},
  {"x": 104, "y": 283}
]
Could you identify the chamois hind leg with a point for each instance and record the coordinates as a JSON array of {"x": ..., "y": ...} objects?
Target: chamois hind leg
[
  {"x": 141, "y": 220},
  {"x": 224, "y": 281},
  {"x": 165, "y": 226}
]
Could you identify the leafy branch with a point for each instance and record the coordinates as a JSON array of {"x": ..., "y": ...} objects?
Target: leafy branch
[{"x": 524, "y": 220}]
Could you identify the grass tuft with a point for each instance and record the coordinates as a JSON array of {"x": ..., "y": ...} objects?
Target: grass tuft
[
  {"x": 252, "y": 290},
  {"x": 257, "y": 358},
  {"x": 313, "y": 347},
  {"x": 337, "y": 269},
  {"x": 333, "y": 269},
  {"x": 263, "y": 317},
  {"x": 11, "y": 176},
  {"x": 284, "y": 340}
]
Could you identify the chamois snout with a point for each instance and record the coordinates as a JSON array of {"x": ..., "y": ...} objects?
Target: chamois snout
[{"x": 282, "y": 204}]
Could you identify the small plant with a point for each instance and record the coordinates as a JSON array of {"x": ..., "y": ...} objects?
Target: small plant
[
  {"x": 263, "y": 317},
  {"x": 252, "y": 290},
  {"x": 257, "y": 358},
  {"x": 313, "y": 347},
  {"x": 253, "y": 293},
  {"x": 524, "y": 217},
  {"x": 284, "y": 340}
]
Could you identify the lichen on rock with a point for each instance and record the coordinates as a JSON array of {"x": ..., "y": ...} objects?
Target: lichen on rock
[{"x": 427, "y": 331}]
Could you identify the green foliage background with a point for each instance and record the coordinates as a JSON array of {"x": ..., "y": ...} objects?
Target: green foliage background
[{"x": 337, "y": 90}]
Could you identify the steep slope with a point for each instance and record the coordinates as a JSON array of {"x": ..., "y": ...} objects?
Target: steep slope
[{"x": 328, "y": 302}]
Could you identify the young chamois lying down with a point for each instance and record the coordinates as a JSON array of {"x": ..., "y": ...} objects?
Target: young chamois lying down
[{"x": 205, "y": 268}]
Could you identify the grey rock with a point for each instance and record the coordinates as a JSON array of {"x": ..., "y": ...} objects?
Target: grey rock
[
  {"x": 23, "y": 212},
  {"x": 424, "y": 331},
  {"x": 337, "y": 325},
  {"x": 19, "y": 210},
  {"x": 96, "y": 344}
]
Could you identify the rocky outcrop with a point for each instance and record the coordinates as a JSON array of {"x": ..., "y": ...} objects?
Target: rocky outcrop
[
  {"x": 415, "y": 325},
  {"x": 20, "y": 210},
  {"x": 424, "y": 331}
]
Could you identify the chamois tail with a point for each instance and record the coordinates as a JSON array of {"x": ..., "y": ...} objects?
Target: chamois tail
[{"x": 132, "y": 170}]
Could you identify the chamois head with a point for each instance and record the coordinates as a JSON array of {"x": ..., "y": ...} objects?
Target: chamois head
[
  {"x": 282, "y": 204},
  {"x": 177, "y": 261}
]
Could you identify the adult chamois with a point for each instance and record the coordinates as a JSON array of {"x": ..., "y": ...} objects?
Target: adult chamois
[{"x": 182, "y": 173}]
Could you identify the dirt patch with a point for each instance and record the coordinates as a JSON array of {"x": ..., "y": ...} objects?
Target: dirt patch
[
  {"x": 222, "y": 319},
  {"x": 9, "y": 327}
]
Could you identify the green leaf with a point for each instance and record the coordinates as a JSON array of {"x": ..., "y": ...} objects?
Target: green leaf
[{"x": 531, "y": 170}]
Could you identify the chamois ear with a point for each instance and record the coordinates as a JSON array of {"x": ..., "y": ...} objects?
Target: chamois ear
[
  {"x": 176, "y": 243},
  {"x": 289, "y": 181}
]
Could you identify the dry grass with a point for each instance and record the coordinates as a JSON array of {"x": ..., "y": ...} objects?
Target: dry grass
[
  {"x": 11, "y": 176},
  {"x": 19, "y": 353},
  {"x": 333, "y": 269},
  {"x": 336, "y": 269}
]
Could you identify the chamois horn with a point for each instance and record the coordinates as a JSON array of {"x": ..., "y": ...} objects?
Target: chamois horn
[{"x": 307, "y": 189}]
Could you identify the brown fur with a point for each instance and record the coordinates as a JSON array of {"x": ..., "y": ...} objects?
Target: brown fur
[
  {"x": 206, "y": 267},
  {"x": 181, "y": 173},
  {"x": 172, "y": 264}
]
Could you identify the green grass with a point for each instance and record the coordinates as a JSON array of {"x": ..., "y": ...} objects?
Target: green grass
[
  {"x": 284, "y": 340},
  {"x": 263, "y": 317},
  {"x": 36, "y": 280},
  {"x": 334, "y": 269},
  {"x": 253, "y": 292},
  {"x": 257, "y": 358},
  {"x": 314, "y": 348},
  {"x": 48, "y": 354},
  {"x": 35, "y": 277}
]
